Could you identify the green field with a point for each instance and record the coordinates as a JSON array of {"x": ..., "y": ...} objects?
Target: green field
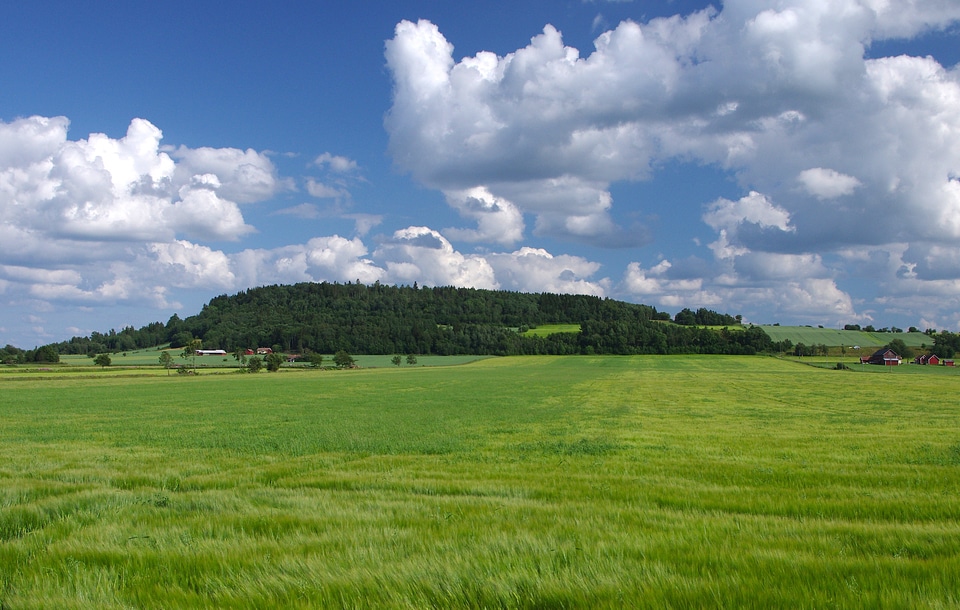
[
  {"x": 150, "y": 358},
  {"x": 536, "y": 482},
  {"x": 797, "y": 334},
  {"x": 834, "y": 338},
  {"x": 545, "y": 330}
]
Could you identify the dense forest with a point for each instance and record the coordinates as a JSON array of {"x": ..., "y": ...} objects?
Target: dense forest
[{"x": 379, "y": 319}]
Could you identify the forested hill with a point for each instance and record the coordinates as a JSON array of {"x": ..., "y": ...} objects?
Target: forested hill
[{"x": 381, "y": 319}]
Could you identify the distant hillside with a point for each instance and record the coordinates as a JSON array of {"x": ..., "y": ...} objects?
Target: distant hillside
[
  {"x": 835, "y": 338},
  {"x": 378, "y": 319}
]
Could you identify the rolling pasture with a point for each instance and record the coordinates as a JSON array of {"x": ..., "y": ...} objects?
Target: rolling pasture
[
  {"x": 534, "y": 482},
  {"x": 834, "y": 337}
]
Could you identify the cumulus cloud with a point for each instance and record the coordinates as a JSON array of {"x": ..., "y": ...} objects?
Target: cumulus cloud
[
  {"x": 498, "y": 220},
  {"x": 341, "y": 258},
  {"x": 421, "y": 254},
  {"x": 104, "y": 220},
  {"x": 549, "y": 129},
  {"x": 102, "y": 189},
  {"x": 847, "y": 166},
  {"x": 820, "y": 136},
  {"x": 655, "y": 285},
  {"x": 827, "y": 183},
  {"x": 536, "y": 270},
  {"x": 755, "y": 209},
  {"x": 185, "y": 264},
  {"x": 245, "y": 175}
]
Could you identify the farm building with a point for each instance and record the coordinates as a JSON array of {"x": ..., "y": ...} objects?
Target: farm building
[
  {"x": 884, "y": 356},
  {"x": 927, "y": 359},
  {"x": 211, "y": 352},
  {"x": 264, "y": 350}
]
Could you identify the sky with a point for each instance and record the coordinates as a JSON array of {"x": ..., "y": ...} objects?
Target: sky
[{"x": 791, "y": 161}]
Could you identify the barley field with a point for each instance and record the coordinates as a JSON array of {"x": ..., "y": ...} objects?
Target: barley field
[{"x": 533, "y": 482}]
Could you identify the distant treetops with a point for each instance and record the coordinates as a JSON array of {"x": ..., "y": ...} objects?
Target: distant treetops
[{"x": 377, "y": 319}]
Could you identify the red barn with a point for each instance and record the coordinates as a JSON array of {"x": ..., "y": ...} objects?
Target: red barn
[{"x": 884, "y": 356}]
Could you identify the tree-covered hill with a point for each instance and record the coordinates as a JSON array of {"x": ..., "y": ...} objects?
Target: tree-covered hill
[{"x": 379, "y": 319}]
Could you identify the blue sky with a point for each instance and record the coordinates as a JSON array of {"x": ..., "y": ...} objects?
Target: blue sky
[{"x": 791, "y": 161}]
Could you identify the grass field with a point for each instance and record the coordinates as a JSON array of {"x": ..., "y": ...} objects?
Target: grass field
[
  {"x": 834, "y": 337},
  {"x": 150, "y": 358},
  {"x": 537, "y": 482},
  {"x": 545, "y": 330}
]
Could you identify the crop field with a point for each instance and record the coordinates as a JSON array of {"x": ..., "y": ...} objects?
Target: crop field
[
  {"x": 834, "y": 337},
  {"x": 533, "y": 482}
]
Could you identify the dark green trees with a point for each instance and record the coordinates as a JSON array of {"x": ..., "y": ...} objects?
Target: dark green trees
[
  {"x": 324, "y": 318},
  {"x": 898, "y": 346},
  {"x": 343, "y": 360},
  {"x": 273, "y": 362}
]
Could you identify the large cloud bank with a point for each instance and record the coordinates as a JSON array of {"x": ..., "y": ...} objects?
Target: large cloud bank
[
  {"x": 849, "y": 170},
  {"x": 849, "y": 165},
  {"x": 104, "y": 221}
]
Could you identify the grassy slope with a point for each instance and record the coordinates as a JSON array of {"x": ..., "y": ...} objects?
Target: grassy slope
[
  {"x": 515, "y": 482},
  {"x": 546, "y": 330},
  {"x": 833, "y": 337},
  {"x": 797, "y": 334}
]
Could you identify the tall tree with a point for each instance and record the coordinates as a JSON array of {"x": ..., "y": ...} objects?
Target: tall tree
[
  {"x": 273, "y": 362},
  {"x": 166, "y": 360},
  {"x": 343, "y": 360}
]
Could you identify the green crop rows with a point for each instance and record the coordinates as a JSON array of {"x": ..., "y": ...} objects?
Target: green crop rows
[{"x": 533, "y": 482}]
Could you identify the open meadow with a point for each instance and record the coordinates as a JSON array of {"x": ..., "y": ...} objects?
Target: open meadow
[{"x": 528, "y": 482}]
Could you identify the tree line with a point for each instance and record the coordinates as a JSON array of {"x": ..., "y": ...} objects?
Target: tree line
[{"x": 379, "y": 319}]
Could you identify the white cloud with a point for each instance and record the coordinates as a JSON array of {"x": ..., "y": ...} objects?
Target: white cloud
[
  {"x": 798, "y": 297},
  {"x": 336, "y": 163},
  {"x": 814, "y": 297},
  {"x": 498, "y": 220},
  {"x": 780, "y": 95},
  {"x": 40, "y": 276},
  {"x": 755, "y": 208},
  {"x": 848, "y": 168},
  {"x": 654, "y": 284},
  {"x": 323, "y": 191},
  {"x": 97, "y": 220},
  {"x": 200, "y": 212},
  {"x": 827, "y": 183},
  {"x": 66, "y": 192},
  {"x": 424, "y": 255},
  {"x": 767, "y": 266},
  {"x": 185, "y": 264},
  {"x": 245, "y": 175},
  {"x": 536, "y": 270},
  {"x": 342, "y": 259}
]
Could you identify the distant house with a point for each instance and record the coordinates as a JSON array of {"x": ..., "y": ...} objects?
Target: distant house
[
  {"x": 264, "y": 350},
  {"x": 211, "y": 352},
  {"x": 927, "y": 359},
  {"x": 884, "y": 356}
]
